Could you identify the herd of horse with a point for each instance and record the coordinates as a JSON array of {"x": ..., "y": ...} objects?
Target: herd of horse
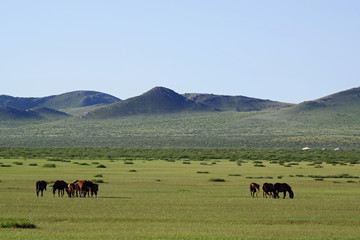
[
  {"x": 85, "y": 188},
  {"x": 271, "y": 190},
  {"x": 77, "y": 188}
]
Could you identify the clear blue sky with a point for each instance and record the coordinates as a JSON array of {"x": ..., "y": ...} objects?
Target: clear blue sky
[{"x": 290, "y": 51}]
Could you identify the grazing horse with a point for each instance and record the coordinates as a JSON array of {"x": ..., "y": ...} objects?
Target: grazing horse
[
  {"x": 94, "y": 188},
  {"x": 254, "y": 189},
  {"x": 283, "y": 187},
  {"x": 83, "y": 187},
  {"x": 71, "y": 190},
  {"x": 61, "y": 186},
  {"x": 40, "y": 187},
  {"x": 268, "y": 190}
]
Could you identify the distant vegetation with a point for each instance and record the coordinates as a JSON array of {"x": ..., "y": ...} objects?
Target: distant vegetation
[{"x": 186, "y": 155}]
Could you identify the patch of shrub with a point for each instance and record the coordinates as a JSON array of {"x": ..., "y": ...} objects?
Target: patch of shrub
[
  {"x": 16, "y": 223},
  {"x": 128, "y": 162},
  {"x": 279, "y": 177},
  {"x": 49, "y": 165},
  {"x": 259, "y": 165},
  {"x": 98, "y": 175},
  {"x": 5, "y": 165},
  {"x": 350, "y": 181},
  {"x": 132, "y": 170},
  {"x": 235, "y": 175},
  {"x": 84, "y": 164},
  {"x": 18, "y": 163},
  {"x": 206, "y": 164},
  {"x": 97, "y": 181},
  {"x": 202, "y": 172},
  {"x": 101, "y": 166},
  {"x": 186, "y": 162},
  {"x": 299, "y": 175},
  {"x": 217, "y": 180},
  {"x": 318, "y": 179},
  {"x": 95, "y": 163},
  {"x": 32, "y": 164},
  {"x": 58, "y": 160},
  {"x": 344, "y": 175}
]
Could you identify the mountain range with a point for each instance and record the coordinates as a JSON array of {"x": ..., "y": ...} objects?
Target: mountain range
[{"x": 159, "y": 100}]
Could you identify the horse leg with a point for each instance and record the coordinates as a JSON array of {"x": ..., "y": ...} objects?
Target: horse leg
[{"x": 284, "y": 194}]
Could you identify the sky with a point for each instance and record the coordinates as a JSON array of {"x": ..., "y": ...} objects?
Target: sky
[{"x": 284, "y": 50}]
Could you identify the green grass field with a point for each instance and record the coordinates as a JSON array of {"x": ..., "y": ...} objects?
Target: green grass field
[
  {"x": 277, "y": 129},
  {"x": 176, "y": 200}
]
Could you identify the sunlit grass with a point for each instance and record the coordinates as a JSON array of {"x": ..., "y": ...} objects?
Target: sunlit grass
[{"x": 171, "y": 200}]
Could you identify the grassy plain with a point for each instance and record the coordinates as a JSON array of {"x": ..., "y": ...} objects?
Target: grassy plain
[
  {"x": 175, "y": 200},
  {"x": 273, "y": 129}
]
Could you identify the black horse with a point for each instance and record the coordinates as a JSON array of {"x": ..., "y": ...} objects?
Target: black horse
[
  {"x": 283, "y": 187},
  {"x": 61, "y": 186},
  {"x": 40, "y": 187},
  {"x": 268, "y": 190}
]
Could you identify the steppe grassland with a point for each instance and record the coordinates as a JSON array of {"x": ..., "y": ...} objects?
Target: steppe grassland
[{"x": 172, "y": 200}]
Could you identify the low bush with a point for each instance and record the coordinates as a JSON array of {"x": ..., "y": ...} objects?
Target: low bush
[
  {"x": 101, "y": 166},
  {"x": 98, "y": 175},
  {"x": 235, "y": 175},
  {"x": 16, "y": 223},
  {"x": 18, "y": 163},
  {"x": 97, "y": 181},
  {"x": 259, "y": 165},
  {"x": 58, "y": 160},
  {"x": 217, "y": 180},
  {"x": 32, "y": 164},
  {"x": 49, "y": 165},
  {"x": 84, "y": 164}
]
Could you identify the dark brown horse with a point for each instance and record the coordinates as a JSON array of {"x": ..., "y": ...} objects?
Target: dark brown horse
[
  {"x": 61, "y": 186},
  {"x": 268, "y": 190},
  {"x": 94, "y": 188},
  {"x": 254, "y": 189},
  {"x": 40, "y": 187},
  {"x": 283, "y": 187}
]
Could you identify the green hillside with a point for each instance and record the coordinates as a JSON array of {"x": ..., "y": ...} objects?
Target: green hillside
[
  {"x": 49, "y": 113},
  {"x": 158, "y": 100},
  {"x": 181, "y": 123},
  {"x": 62, "y": 101},
  {"x": 12, "y": 114},
  {"x": 235, "y": 103}
]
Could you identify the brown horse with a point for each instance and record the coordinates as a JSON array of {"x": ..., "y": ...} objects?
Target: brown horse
[
  {"x": 83, "y": 187},
  {"x": 283, "y": 187},
  {"x": 61, "y": 186},
  {"x": 254, "y": 189},
  {"x": 268, "y": 190},
  {"x": 40, "y": 187},
  {"x": 71, "y": 190}
]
